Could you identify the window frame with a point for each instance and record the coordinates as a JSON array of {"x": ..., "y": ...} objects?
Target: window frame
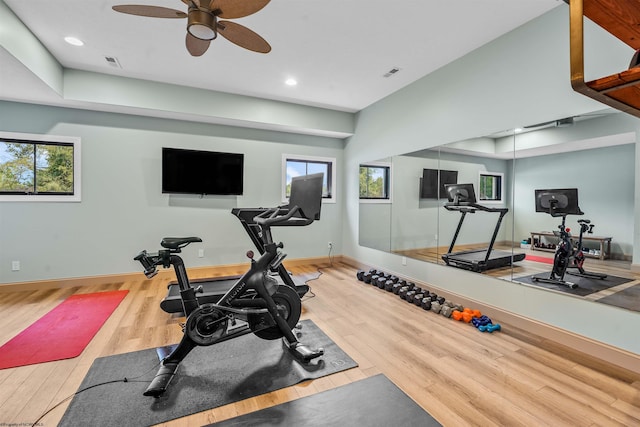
[
  {"x": 389, "y": 198},
  {"x": 499, "y": 175},
  {"x": 331, "y": 180},
  {"x": 48, "y": 139}
]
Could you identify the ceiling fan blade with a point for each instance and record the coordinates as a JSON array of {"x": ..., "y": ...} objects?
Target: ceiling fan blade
[
  {"x": 243, "y": 37},
  {"x": 232, "y": 9},
  {"x": 149, "y": 11},
  {"x": 196, "y": 46}
]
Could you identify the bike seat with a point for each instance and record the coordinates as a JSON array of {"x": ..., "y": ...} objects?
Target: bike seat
[{"x": 178, "y": 242}]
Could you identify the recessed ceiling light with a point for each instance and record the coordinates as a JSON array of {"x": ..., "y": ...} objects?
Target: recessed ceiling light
[
  {"x": 291, "y": 82},
  {"x": 73, "y": 41}
]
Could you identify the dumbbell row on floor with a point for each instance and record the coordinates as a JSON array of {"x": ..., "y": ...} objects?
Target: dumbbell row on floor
[{"x": 429, "y": 301}]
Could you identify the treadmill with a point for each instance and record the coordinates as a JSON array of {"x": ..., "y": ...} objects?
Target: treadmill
[
  {"x": 212, "y": 289},
  {"x": 462, "y": 199}
]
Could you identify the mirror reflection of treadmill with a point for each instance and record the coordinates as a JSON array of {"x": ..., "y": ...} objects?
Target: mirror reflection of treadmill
[{"x": 462, "y": 199}]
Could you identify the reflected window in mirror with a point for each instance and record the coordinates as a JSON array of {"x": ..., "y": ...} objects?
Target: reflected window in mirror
[
  {"x": 490, "y": 187},
  {"x": 375, "y": 182}
]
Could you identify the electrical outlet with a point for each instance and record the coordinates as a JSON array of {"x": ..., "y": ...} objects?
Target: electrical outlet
[
  {"x": 404, "y": 260},
  {"x": 15, "y": 265},
  {"x": 200, "y": 253}
]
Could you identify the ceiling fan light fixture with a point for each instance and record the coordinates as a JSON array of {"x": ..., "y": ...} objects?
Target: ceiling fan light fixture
[{"x": 202, "y": 25}]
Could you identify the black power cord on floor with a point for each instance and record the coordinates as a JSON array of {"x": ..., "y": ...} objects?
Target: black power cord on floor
[
  {"x": 330, "y": 256},
  {"x": 310, "y": 291},
  {"x": 320, "y": 272},
  {"x": 124, "y": 380}
]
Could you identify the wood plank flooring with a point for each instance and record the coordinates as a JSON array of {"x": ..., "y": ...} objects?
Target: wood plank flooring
[
  {"x": 525, "y": 268},
  {"x": 461, "y": 376}
]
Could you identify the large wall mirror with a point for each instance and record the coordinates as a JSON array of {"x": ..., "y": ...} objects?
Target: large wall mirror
[{"x": 594, "y": 153}]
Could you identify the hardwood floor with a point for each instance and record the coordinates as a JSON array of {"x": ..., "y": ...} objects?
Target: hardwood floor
[
  {"x": 459, "y": 375},
  {"x": 611, "y": 267}
]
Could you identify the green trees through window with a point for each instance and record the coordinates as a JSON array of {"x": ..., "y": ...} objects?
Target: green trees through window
[
  {"x": 491, "y": 186},
  {"x": 374, "y": 182},
  {"x": 30, "y": 167}
]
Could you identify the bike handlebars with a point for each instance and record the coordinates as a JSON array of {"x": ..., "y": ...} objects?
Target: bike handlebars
[
  {"x": 148, "y": 262},
  {"x": 281, "y": 216}
]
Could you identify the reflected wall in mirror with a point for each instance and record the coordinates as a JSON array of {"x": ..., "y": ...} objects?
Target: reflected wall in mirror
[
  {"x": 595, "y": 157},
  {"x": 376, "y": 192},
  {"x": 421, "y": 226},
  {"x": 479, "y": 236},
  {"x": 414, "y": 220},
  {"x": 594, "y": 153}
]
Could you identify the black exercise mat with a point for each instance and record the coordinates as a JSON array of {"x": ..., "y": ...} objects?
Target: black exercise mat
[
  {"x": 627, "y": 298},
  {"x": 586, "y": 286},
  {"x": 371, "y": 402},
  {"x": 208, "y": 377}
]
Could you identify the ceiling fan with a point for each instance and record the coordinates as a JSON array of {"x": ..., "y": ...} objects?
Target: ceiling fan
[{"x": 203, "y": 24}]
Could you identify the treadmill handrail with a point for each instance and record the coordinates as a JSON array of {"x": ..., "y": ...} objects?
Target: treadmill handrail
[
  {"x": 472, "y": 207},
  {"x": 467, "y": 207}
]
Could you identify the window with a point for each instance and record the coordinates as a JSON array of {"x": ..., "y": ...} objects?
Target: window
[
  {"x": 375, "y": 182},
  {"x": 304, "y": 165},
  {"x": 39, "y": 167},
  {"x": 490, "y": 187}
]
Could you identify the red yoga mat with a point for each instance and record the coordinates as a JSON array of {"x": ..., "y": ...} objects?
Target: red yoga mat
[
  {"x": 62, "y": 333},
  {"x": 546, "y": 260}
]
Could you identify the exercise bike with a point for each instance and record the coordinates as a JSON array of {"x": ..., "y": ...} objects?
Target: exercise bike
[
  {"x": 560, "y": 203},
  {"x": 256, "y": 304}
]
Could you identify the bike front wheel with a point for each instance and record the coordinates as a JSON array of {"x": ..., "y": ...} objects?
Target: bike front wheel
[{"x": 289, "y": 306}]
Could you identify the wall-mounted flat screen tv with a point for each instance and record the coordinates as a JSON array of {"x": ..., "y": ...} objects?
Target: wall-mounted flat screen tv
[
  {"x": 201, "y": 172},
  {"x": 432, "y": 186}
]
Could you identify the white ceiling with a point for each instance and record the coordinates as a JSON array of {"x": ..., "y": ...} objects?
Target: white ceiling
[{"x": 338, "y": 50}]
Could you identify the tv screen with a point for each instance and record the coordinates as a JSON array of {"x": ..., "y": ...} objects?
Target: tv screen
[
  {"x": 560, "y": 201},
  {"x": 433, "y": 188},
  {"x": 201, "y": 172},
  {"x": 461, "y": 193},
  {"x": 429, "y": 184}
]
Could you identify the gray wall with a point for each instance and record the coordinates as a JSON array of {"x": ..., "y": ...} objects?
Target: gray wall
[
  {"x": 417, "y": 223},
  {"x": 519, "y": 79},
  {"x": 605, "y": 178},
  {"x": 123, "y": 210},
  {"x": 477, "y": 228}
]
